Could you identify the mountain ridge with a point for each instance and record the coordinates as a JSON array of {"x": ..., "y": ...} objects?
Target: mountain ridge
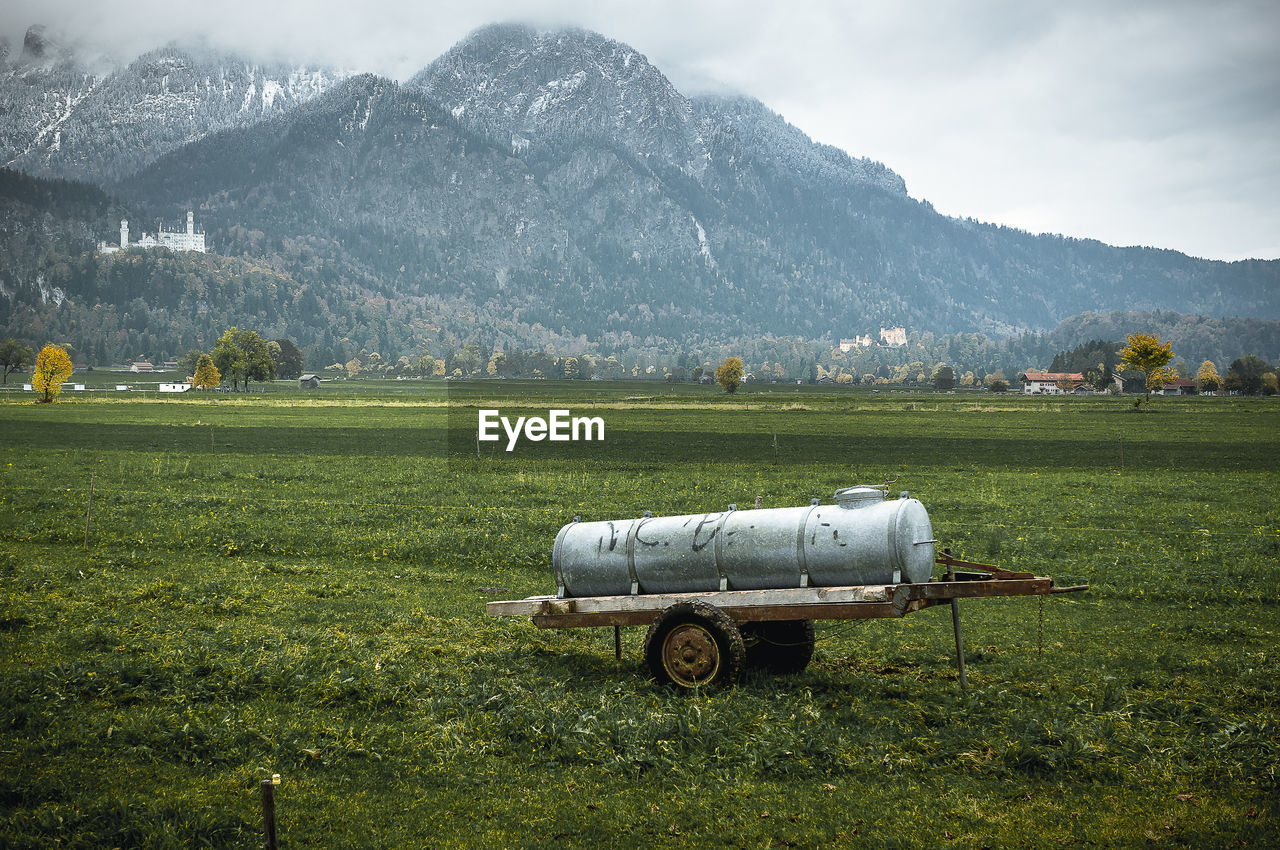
[
  {"x": 553, "y": 188},
  {"x": 70, "y": 121}
]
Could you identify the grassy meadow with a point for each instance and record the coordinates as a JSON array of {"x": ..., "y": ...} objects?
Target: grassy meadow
[{"x": 294, "y": 583}]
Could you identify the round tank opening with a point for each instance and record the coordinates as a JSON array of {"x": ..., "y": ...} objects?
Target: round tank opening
[{"x": 856, "y": 497}]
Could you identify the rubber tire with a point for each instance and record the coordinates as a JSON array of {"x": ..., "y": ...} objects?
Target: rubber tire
[
  {"x": 696, "y": 620},
  {"x": 779, "y": 646}
]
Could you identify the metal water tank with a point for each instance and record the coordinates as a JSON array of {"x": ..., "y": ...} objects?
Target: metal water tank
[{"x": 865, "y": 538}]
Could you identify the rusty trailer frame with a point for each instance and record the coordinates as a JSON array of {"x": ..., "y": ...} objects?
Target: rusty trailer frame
[{"x": 963, "y": 580}]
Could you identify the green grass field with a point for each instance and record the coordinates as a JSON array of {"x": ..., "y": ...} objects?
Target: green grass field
[{"x": 294, "y": 583}]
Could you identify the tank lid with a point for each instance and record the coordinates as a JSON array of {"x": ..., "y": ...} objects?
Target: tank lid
[{"x": 859, "y": 495}]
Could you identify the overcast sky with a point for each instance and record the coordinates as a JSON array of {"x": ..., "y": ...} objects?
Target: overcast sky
[{"x": 1134, "y": 122}]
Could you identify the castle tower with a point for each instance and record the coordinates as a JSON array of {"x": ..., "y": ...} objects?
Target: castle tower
[
  {"x": 124, "y": 234},
  {"x": 191, "y": 223}
]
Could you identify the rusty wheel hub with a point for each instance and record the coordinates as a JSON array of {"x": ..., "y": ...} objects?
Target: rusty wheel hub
[{"x": 690, "y": 655}]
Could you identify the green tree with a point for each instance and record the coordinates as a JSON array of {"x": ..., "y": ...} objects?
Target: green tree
[
  {"x": 944, "y": 377},
  {"x": 1095, "y": 353},
  {"x": 53, "y": 366},
  {"x": 288, "y": 359},
  {"x": 206, "y": 374},
  {"x": 469, "y": 360},
  {"x": 258, "y": 355},
  {"x": 243, "y": 356},
  {"x": 1207, "y": 378},
  {"x": 1145, "y": 353},
  {"x": 1245, "y": 374},
  {"x": 188, "y": 362},
  {"x": 229, "y": 358},
  {"x": 14, "y": 357},
  {"x": 729, "y": 374},
  {"x": 996, "y": 382}
]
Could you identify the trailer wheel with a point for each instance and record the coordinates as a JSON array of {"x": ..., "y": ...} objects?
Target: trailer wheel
[
  {"x": 780, "y": 646},
  {"x": 693, "y": 644}
]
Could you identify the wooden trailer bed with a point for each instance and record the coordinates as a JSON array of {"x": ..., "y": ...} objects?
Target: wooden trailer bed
[{"x": 703, "y": 638}]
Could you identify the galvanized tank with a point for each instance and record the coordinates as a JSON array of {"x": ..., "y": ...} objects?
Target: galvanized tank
[{"x": 864, "y": 538}]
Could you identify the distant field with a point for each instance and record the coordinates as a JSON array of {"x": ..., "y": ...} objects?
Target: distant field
[{"x": 294, "y": 582}]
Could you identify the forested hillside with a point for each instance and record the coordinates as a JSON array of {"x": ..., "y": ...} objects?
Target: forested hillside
[{"x": 42, "y": 219}]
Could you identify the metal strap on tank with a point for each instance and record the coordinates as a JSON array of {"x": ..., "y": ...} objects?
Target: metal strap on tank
[
  {"x": 719, "y": 548},
  {"x": 561, "y": 592},
  {"x": 892, "y": 530},
  {"x": 631, "y": 551},
  {"x": 800, "y": 560}
]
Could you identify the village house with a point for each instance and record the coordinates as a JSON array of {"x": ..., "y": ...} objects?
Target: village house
[
  {"x": 1038, "y": 382},
  {"x": 1182, "y": 386}
]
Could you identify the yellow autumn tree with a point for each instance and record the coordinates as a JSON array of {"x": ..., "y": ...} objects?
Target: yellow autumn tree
[
  {"x": 207, "y": 376},
  {"x": 53, "y": 366},
  {"x": 1207, "y": 378},
  {"x": 729, "y": 374},
  {"x": 1145, "y": 353}
]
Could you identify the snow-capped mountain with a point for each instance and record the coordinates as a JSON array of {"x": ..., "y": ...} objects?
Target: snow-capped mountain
[
  {"x": 551, "y": 89},
  {"x": 65, "y": 119}
]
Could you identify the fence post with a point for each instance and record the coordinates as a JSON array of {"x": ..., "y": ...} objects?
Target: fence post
[
  {"x": 269, "y": 810},
  {"x": 89, "y": 510}
]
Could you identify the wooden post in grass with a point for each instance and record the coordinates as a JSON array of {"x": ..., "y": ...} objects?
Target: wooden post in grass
[
  {"x": 89, "y": 510},
  {"x": 955, "y": 622},
  {"x": 617, "y": 642},
  {"x": 269, "y": 810},
  {"x": 955, "y": 625}
]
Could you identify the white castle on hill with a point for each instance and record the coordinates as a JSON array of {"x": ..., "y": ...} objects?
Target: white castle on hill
[
  {"x": 889, "y": 338},
  {"x": 174, "y": 240}
]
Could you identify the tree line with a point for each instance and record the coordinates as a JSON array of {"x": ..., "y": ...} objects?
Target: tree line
[{"x": 241, "y": 356}]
